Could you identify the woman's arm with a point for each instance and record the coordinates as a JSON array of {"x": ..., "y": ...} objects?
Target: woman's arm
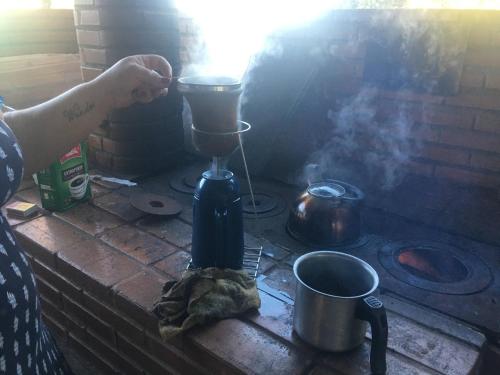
[{"x": 50, "y": 129}]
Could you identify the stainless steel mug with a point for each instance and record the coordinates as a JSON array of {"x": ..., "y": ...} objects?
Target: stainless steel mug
[{"x": 333, "y": 302}]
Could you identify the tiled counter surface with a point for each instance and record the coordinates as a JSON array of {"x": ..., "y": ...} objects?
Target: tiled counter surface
[{"x": 101, "y": 265}]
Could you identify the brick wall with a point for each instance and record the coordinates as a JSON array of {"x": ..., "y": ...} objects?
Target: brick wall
[
  {"x": 453, "y": 109},
  {"x": 107, "y": 31},
  {"x": 98, "y": 275},
  {"x": 454, "y": 136}
]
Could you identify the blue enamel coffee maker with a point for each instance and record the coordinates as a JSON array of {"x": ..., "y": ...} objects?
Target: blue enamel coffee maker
[{"x": 217, "y": 211}]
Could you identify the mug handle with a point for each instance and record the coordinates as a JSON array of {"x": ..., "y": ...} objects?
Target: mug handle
[{"x": 372, "y": 310}]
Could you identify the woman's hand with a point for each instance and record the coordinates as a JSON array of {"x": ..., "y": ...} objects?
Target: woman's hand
[{"x": 139, "y": 78}]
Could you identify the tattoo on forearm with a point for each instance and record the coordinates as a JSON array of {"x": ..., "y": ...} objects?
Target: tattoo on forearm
[{"x": 76, "y": 111}]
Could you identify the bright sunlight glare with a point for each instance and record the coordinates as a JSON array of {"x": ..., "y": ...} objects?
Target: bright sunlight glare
[{"x": 235, "y": 30}]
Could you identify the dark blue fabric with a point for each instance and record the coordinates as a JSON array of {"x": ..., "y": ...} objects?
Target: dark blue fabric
[{"x": 26, "y": 346}]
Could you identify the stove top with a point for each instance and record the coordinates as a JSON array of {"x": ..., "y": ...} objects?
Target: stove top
[{"x": 454, "y": 275}]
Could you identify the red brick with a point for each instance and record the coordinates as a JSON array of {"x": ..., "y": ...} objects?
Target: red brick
[
  {"x": 98, "y": 277},
  {"x": 448, "y": 116},
  {"x": 98, "y": 190},
  {"x": 424, "y": 133},
  {"x": 249, "y": 349},
  {"x": 75, "y": 327},
  {"x": 49, "y": 293},
  {"x": 138, "y": 165},
  {"x": 72, "y": 258},
  {"x": 171, "y": 230},
  {"x": 488, "y": 122},
  {"x": 493, "y": 81},
  {"x": 173, "y": 357},
  {"x": 175, "y": 264},
  {"x": 420, "y": 167},
  {"x": 110, "y": 353},
  {"x": 281, "y": 279},
  {"x": 485, "y": 160},
  {"x": 276, "y": 316},
  {"x": 489, "y": 57},
  {"x": 442, "y": 153},
  {"x": 471, "y": 139},
  {"x": 62, "y": 284},
  {"x": 55, "y": 328},
  {"x": 45, "y": 236},
  {"x": 136, "y": 296},
  {"x": 95, "y": 141},
  {"x": 90, "y": 219},
  {"x": 52, "y": 310},
  {"x": 136, "y": 354},
  {"x": 472, "y": 77},
  {"x": 468, "y": 177},
  {"x": 74, "y": 311},
  {"x": 102, "y": 129},
  {"x": 118, "y": 321},
  {"x": 92, "y": 355},
  {"x": 144, "y": 247},
  {"x": 119, "y": 205},
  {"x": 91, "y": 322},
  {"x": 265, "y": 264},
  {"x": 104, "y": 160},
  {"x": 357, "y": 362},
  {"x": 410, "y": 96},
  {"x": 484, "y": 101},
  {"x": 87, "y": 17},
  {"x": 407, "y": 338}
]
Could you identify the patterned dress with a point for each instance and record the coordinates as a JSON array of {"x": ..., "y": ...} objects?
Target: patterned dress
[{"x": 26, "y": 346}]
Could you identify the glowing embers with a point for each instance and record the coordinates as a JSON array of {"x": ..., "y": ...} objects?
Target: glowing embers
[
  {"x": 432, "y": 264},
  {"x": 435, "y": 266}
]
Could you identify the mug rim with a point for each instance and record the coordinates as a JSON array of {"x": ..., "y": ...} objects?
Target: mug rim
[{"x": 364, "y": 264}]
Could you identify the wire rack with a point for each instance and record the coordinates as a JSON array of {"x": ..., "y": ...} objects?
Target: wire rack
[{"x": 251, "y": 261}]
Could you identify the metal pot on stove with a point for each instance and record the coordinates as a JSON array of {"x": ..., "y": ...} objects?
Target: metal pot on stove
[{"x": 327, "y": 214}]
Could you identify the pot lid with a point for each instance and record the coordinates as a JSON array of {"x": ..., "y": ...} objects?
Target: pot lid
[
  {"x": 193, "y": 84},
  {"x": 326, "y": 190}
]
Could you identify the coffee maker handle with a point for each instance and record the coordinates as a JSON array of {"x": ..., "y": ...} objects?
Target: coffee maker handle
[{"x": 372, "y": 310}]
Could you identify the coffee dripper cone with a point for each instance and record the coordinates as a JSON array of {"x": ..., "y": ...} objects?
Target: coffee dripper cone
[{"x": 214, "y": 102}]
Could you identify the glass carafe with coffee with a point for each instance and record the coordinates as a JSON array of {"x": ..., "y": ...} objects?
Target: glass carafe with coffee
[{"x": 217, "y": 213}]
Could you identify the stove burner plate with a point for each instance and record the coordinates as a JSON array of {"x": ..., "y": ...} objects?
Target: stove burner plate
[
  {"x": 362, "y": 240},
  {"x": 266, "y": 205},
  {"x": 471, "y": 276},
  {"x": 155, "y": 204},
  {"x": 191, "y": 180},
  {"x": 185, "y": 183}
]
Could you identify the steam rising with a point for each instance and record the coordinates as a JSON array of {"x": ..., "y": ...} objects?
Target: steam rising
[
  {"x": 234, "y": 31},
  {"x": 357, "y": 134}
]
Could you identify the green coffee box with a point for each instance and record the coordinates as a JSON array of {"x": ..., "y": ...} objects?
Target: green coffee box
[{"x": 66, "y": 182}]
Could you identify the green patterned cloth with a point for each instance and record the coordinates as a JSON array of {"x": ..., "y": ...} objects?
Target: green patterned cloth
[{"x": 202, "y": 296}]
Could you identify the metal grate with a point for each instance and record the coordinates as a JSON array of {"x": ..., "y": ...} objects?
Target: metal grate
[{"x": 251, "y": 261}]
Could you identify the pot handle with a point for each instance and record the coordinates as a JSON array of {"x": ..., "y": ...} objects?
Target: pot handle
[{"x": 372, "y": 310}]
